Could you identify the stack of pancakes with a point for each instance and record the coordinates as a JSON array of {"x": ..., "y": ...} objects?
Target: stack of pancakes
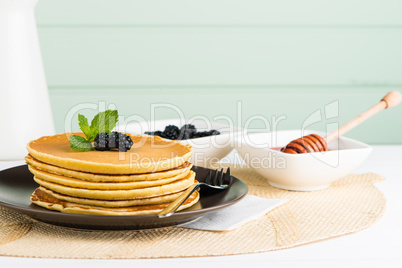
[{"x": 141, "y": 181}]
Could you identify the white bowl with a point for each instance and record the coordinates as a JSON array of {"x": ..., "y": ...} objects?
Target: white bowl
[
  {"x": 300, "y": 172},
  {"x": 206, "y": 150}
]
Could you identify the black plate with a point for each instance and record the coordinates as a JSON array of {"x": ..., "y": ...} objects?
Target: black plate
[{"x": 17, "y": 185}]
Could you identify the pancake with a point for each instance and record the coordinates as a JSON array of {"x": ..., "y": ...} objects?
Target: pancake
[
  {"x": 45, "y": 200},
  {"x": 116, "y": 203},
  {"x": 173, "y": 187},
  {"x": 148, "y": 154},
  {"x": 76, "y": 183},
  {"x": 105, "y": 177}
]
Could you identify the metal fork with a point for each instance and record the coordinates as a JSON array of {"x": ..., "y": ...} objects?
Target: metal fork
[{"x": 219, "y": 180}]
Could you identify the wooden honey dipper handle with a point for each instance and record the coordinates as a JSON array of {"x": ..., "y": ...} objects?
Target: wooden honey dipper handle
[{"x": 393, "y": 98}]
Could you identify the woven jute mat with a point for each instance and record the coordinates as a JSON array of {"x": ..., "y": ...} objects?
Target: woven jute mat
[{"x": 351, "y": 204}]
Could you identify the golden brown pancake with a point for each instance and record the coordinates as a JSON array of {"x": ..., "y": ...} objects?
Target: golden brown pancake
[
  {"x": 45, "y": 200},
  {"x": 114, "y": 203},
  {"x": 173, "y": 187},
  {"x": 148, "y": 154},
  {"x": 76, "y": 183},
  {"x": 105, "y": 177}
]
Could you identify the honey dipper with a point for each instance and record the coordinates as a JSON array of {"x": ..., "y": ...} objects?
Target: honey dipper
[{"x": 314, "y": 143}]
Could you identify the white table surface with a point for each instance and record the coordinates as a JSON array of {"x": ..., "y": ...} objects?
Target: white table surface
[{"x": 377, "y": 246}]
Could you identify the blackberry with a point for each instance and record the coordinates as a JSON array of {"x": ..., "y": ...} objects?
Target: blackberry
[
  {"x": 101, "y": 142},
  {"x": 202, "y": 134},
  {"x": 124, "y": 142},
  {"x": 187, "y": 132},
  {"x": 114, "y": 140},
  {"x": 171, "y": 132},
  {"x": 214, "y": 132}
]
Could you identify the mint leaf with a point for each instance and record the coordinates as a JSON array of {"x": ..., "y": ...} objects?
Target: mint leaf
[
  {"x": 103, "y": 122},
  {"x": 78, "y": 143},
  {"x": 84, "y": 126}
]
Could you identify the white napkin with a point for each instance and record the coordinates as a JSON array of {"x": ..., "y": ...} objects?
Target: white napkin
[{"x": 250, "y": 208}]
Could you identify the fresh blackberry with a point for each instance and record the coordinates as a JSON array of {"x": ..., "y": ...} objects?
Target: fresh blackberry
[
  {"x": 101, "y": 142},
  {"x": 171, "y": 132},
  {"x": 214, "y": 132},
  {"x": 124, "y": 142},
  {"x": 187, "y": 132},
  {"x": 202, "y": 134},
  {"x": 116, "y": 140},
  {"x": 113, "y": 140}
]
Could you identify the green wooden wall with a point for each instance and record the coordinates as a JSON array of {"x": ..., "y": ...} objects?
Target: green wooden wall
[{"x": 238, "y": 58}]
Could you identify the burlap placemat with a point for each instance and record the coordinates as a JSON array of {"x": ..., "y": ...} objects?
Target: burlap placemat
[{"x": 349, "y": 205}]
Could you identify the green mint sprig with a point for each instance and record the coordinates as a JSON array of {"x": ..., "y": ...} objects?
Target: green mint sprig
[
  {"x": 103, "y": 122},
  {"x": 78, "y": 143}
]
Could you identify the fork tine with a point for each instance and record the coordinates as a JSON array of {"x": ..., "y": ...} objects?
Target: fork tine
[
  {"x": 220, "y": 181},
  {"x": 227, "y": 178},
  {"x": 208, "y": 178},
  {"x": 215, "y": 180}
]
